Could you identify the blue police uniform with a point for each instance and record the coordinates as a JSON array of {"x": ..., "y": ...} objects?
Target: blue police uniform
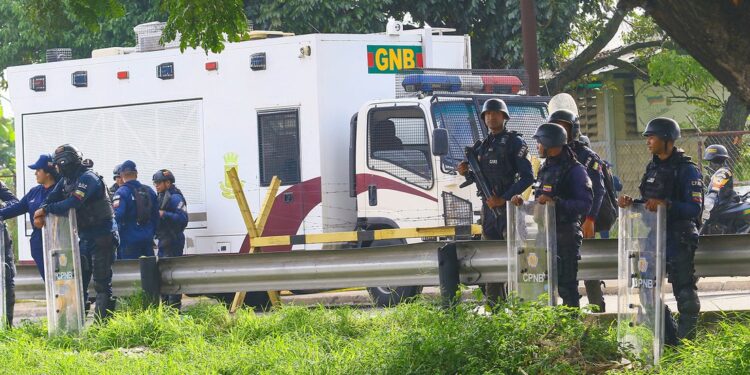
[
  {"x": 565, "y": 180},
  {"x": 502, "y": 158},
  {"x": 29, "y": 204},
  {"x": 85, "y": 192},
  {"x": 137, "y": 239},
  {"x": 678, "y": 181},
  {"x": 7, "y": 198},
  {"x": 170, "y": 230},
  {"x": 593, "y": 164}
]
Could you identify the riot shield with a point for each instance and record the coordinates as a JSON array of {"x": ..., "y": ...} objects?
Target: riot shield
[
  {"x": 532, "y": 251},
  {"x": 641, "y": 271},
  {"x": 3, "y": 273},
  {"x": 62, "y": 271}
]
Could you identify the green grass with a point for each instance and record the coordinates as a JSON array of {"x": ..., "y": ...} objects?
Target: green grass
[
  {"x": 723, "y": 348},
  {"x": 417, "y": 338}
]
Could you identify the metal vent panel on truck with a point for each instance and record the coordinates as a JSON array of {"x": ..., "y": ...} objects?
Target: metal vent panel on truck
[{"x": 155, "y": 136}]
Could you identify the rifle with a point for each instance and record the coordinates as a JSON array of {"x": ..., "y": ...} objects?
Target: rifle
[{"x": 476, "y": 176}]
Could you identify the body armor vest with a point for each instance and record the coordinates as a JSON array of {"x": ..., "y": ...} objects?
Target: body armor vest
[
  {"x": 661, "y": 180},
  {"x": 166, "y": 228},
  {"x": 95, "y": 210},
  {"x": 496, "y": 162},
  {"x": 549, "y": 182}
]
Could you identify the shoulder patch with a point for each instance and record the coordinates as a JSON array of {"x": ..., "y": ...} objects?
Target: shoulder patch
[{"x": 523, "y": 151}]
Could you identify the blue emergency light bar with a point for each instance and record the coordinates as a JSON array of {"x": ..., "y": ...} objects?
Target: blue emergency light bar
[{"x": 429, "y": 83}]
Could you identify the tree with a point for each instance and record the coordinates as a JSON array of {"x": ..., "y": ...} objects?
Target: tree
[
  {"x": 34, "y": 31},
  {"x": 595, "y": 26},
  {"x": 715, "y": 33},
  {"x": 494, "y": 26},
  {"x": 651, "y": 55}
]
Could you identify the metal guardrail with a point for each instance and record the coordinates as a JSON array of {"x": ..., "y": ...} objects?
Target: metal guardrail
[{"x": 415, "y": 264}]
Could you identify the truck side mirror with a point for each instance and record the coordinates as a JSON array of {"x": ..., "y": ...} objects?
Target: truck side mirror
[{"x": 439, "y": 142}]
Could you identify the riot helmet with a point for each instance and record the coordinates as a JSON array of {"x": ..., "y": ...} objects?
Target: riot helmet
[
  {"x": 551, "y": 135},
  {"x": 566, "y": 116},
  {"x": 163, "y": 175},
  {"x": 495, "y": 105},
  {"x": 664, "y": 128},
  {"x": 68, "y": 159},
  {"x": 116, "y": 172},
  {"x": 716, "y": 154}
]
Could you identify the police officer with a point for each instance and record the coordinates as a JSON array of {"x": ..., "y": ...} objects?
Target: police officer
[
  {"x": 674, "y": 181},
  {"x": 173, "y": 219},
  {"x": 82, "y": 190},
  {"x": 722, "y": 180},
  {"x": 46, "y": 177},
  {"x": 564, "y": 181},
  {"x": 593, "y": 163},
  {"x": 502, "y": 158},
  {"x": 8, "y": 198},
  {"x": 136, "y": 213},
  {"x": 118, "y": 180}
]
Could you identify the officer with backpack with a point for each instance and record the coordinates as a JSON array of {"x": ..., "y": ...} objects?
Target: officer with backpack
[
  {"x": 604, "y": 207},
  {"x": 173, "y": 219},
  {"x": 563, "y": 181},
  {"x": 136, "y": 213}
]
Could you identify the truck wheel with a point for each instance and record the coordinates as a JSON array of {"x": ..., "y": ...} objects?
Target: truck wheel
[
  {"x": 391, "y": 296},
  {"x": 259, "y": 301},
  {"x": 386, "y": 296}
]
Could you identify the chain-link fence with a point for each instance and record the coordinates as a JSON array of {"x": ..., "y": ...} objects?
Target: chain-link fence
[{"x": 630, "y": 157}]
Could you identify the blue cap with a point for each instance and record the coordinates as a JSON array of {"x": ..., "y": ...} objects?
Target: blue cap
[
  {"x": 128, "y": 166},
  {"x": 45, "y": 162}
]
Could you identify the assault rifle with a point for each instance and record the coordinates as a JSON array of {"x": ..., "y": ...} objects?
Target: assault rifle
[{"x": 475, "y": 176}]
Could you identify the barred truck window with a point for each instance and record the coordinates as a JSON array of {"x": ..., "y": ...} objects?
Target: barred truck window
[
  {"x": 525, "y": 118},
  {"x": 278, "y": 139},
  {"x": 397, "y": 144},
  {"x": 461, "y": 120}
]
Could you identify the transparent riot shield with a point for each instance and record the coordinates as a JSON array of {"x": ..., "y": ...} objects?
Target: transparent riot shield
[
  {"x": 62, "y": 271},
  {"x": 532, "y": 251},
  {"x": 3, "y": 273},
  {"x": 641, "y": 271}
]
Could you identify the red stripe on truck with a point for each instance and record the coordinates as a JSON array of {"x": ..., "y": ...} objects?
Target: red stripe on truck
[{"x": 286, "y": 217}]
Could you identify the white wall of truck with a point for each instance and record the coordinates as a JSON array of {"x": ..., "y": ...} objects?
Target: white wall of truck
[{"x": 201, "y": 121}]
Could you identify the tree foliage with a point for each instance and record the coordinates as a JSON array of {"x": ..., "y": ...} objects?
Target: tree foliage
[
  {"x": 494, "y": 26},
  {"x": 318, "y": 16},
  {"x": 30, "y": 31}
]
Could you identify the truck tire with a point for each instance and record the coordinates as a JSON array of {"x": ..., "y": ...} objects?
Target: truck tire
[
  {"x": 391, "y": 296},
  {"x": 259, "y": 301}
]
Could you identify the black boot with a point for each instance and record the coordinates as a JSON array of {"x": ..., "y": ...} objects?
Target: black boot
[
  {"x": 670, "y": 329},
  {"x": 103, "y": 306},
  {"x": 686, "y": 326}
]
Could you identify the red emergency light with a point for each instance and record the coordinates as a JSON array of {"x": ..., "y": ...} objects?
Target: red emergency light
[
  {"x": 212, "y": 66},
  {"x": 501, "y": 84},
  {"x": 38, "y": 83},
  {"x": 123, "y": 75}
]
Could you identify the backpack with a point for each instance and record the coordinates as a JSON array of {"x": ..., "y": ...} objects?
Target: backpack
[
  {"x": 608, "y": 211},
  {"x": 143, "y": 204}
]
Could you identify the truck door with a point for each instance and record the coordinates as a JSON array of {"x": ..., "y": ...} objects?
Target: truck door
[
  {"x": 459, "y": 116},
  {"x": 397, "y": 182}
]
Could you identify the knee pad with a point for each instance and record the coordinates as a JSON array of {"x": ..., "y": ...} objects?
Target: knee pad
[{"x": 688, "y": 302}]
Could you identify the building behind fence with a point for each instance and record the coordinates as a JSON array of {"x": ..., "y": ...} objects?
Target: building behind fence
[{"x": 609, "y": 117}]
